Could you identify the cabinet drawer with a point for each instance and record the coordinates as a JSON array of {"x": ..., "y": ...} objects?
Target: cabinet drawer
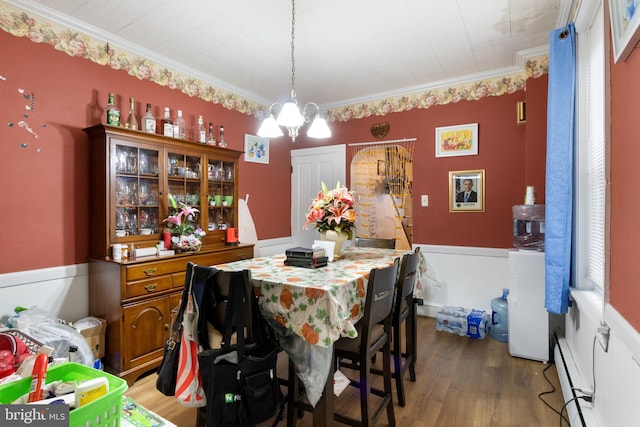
[
  {"x": 148, "y": 287},
  {"x": 155, "y": 269},
  {"x": 179, "y": 264},
  {"x": 234, "y": 255}
]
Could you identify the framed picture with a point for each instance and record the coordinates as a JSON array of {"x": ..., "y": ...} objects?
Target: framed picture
[
  {"x": 466, "y": 191},
  {"x": 256, "y": 149},
  {"x": 460, "y": 140},
  {"x": 625, "y": 21}
]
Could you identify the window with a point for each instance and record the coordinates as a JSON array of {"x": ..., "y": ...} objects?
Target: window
[{"x": 590, "y": 216}]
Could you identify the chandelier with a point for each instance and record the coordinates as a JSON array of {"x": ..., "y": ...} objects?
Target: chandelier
[{"x": 290, "y": 115}]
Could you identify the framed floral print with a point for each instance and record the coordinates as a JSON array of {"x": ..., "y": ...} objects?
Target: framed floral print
[
  {"x": 460, "y": 140},
  {"x": 625, "y": 25},
  {"x": 256, "y": 149}
]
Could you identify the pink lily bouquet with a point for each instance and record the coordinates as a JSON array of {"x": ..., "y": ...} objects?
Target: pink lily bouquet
[
  {"x": 333, "y": 210},
  {"x": 186, "y": 235}
]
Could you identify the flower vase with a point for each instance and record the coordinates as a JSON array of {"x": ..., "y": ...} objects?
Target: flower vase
[
  {"x": 338, "y": 237},
  {"x": 182, "y": 244}
]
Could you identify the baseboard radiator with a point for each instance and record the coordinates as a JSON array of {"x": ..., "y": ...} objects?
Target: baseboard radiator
[{"x": 577, "y": 411}]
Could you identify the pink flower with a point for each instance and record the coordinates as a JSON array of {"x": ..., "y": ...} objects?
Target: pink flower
[
  {"x": 332, "y": 210},
  {"x": 77, "y": 47}
]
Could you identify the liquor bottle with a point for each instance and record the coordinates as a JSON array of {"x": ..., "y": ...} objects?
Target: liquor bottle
[
  {"x": 166, "y": 123},
  {"x": 223, "y": 142},
  {"x": 132, "y": 121},
  {"x": 148, "y": 121},
  {"x": 201, "y": 132},
  {"x": 211, "y": 137},
  {"x": 113, "y": 113},
  {"x": 179, "y": 127}
]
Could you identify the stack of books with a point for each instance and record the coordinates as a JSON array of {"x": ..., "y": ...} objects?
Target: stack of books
[{"x": 306, "y": 257}]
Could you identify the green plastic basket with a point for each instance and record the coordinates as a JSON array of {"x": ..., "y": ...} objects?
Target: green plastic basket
[{"x": 104, "y": 411}]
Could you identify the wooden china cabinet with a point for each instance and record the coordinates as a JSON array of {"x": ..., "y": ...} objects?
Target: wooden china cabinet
[{"x": 131, "y": 175}]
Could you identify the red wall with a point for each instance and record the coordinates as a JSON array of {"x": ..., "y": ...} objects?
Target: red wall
[
  {"x": 625, "y": 206},
  {"x": 512, "y": 156},
  {"x": 45, "y": 193}
]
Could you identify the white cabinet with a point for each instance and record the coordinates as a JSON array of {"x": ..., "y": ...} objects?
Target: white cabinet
[{"x": 530, "y": 325}]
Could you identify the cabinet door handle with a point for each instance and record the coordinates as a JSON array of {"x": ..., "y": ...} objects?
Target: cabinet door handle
[
  {"x": 150, "y": 271},
  {"x": 166, "y": 327},
  {"x": 150, "y": 287}
]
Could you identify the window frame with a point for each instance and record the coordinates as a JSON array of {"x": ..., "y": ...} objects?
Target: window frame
[{"x": 591, "y": 180}]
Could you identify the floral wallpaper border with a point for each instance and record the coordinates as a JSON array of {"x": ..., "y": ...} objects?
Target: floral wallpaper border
[
  {"x": 39, "y": 30},
  {"x": 470, "y": 91}
]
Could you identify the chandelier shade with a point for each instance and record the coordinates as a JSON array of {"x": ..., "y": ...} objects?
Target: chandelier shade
[
  {"x": 269, "y": 128},
  {"x": 290, "y": 116}
]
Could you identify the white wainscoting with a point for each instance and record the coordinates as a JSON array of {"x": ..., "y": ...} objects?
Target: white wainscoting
[
  {"x": 616, "y": 372},
  {"x": 464, "y": 276},
  {"x": 461, "y": 276},
  {"x": 62, "y": 291}
]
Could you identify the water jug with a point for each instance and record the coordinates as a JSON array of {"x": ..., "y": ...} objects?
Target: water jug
[
  {"x": 528, "y": 227},
  {"x": 500, "y": 317}
]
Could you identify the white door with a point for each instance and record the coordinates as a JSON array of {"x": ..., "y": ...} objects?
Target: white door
[{"x": 310, "y": 167}]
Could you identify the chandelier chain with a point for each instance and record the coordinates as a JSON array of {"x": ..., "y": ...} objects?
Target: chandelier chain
[
  {"x": 293, "y": 58},
  {"x": 290, "y": 115}
]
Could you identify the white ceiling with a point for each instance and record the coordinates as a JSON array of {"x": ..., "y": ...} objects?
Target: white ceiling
[{"x": 346, "y": 51}]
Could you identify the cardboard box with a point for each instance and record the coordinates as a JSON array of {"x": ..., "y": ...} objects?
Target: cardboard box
[{"x": 95, "y": 336}]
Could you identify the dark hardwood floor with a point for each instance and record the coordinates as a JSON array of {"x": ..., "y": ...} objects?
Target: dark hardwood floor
[{"x": 460, "y": 382}]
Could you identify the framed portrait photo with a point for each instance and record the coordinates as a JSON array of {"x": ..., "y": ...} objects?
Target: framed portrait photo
[
  {"x": 625, "y": 24},
  {"x": 459, "y": 140},
  {"x": 256, "y": 149},
  {"x": 466, "y": 191}
]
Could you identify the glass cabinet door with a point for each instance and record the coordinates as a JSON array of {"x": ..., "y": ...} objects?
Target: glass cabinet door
[
  {"x": 184, "y": 180},
  {"x": 220, "y": 192},
  {"x": 137, "y": 190}
]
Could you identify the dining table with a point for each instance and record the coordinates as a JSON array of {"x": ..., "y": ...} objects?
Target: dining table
[{"x": 311, "y": 308}]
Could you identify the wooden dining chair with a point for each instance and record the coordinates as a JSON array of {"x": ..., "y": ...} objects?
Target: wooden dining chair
[
  {"x": 404, "y": 312},
  {"x": 374, "y": 334},
  {"x": 369, "y": 242}
]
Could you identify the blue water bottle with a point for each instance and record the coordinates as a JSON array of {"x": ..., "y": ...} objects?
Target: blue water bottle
[{"x": 500, "y": 317}]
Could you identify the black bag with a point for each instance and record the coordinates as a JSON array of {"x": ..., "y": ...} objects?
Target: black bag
[
  {"x": 168, "y": 369},
  {"x": 240, "y": 380}
]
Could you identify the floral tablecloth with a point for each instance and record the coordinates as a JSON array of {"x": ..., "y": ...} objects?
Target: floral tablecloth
[
  {"x": 317, "y": 305},
  {"x": 321, "y": 304}
]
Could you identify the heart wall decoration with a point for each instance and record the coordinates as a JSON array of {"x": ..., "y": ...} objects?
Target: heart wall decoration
[{"x": 380, "y": 130}]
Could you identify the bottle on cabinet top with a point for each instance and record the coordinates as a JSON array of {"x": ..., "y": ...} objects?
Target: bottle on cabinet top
[
  {"x": 113, "y": 113},
  {"x": 201, "y": 132},
  {"x": 179, "y": 127},
  {"x": 166, "y": 125},
  {"x": 222, "y": 142},
  {"x": 132, "y": 121},
  {"x": 211, "y": 137},
  {"x": 148, "y": 122}
]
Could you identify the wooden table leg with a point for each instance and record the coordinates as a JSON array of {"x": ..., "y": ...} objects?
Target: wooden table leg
[{"x": 323, "y": 411}]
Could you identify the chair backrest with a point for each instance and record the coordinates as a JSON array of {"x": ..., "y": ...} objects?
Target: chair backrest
[
  {"x": 221, "y": 290},
  {"x": 367, "y": 242},
  {"x": 407, "y": 277},
  {"x": 380, "y": 295},
  {"x": 218, "y": 290}
]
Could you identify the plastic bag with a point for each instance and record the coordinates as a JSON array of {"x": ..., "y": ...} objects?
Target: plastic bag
[{"x": 53, "y": 333}]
